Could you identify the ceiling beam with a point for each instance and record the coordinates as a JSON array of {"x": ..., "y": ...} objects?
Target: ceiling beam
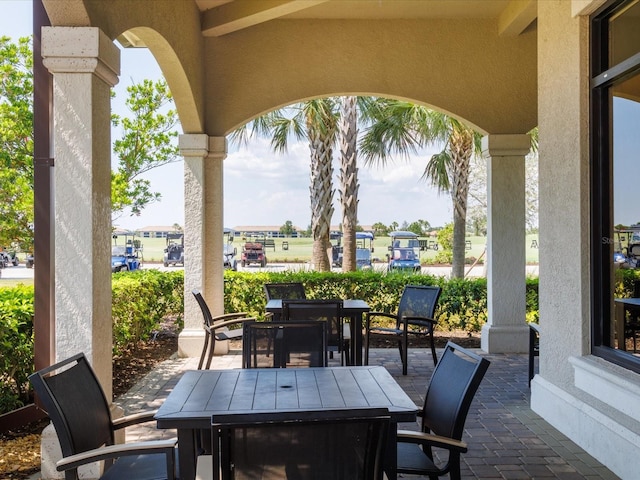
[
  {"x": 518, "y": 15},
  {"x": 241, "y": 14}
]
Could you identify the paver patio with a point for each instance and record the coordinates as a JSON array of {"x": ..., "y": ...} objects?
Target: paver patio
[{"x": 507, "y": 440}]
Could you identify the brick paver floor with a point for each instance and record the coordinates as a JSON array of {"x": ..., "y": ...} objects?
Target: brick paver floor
[{"x": 507, "y": 440}]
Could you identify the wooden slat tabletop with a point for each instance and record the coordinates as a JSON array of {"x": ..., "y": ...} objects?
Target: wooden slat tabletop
[{"x": 201, "y": 394}]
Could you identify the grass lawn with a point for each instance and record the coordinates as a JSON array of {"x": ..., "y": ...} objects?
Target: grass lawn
[{"x": 299, "y": 249}]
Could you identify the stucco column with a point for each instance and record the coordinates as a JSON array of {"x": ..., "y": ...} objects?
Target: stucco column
[
  {"x": 506, "y": 330},
  {"x": 203, "y": 201},
  {"x": 85, "y": 64}
]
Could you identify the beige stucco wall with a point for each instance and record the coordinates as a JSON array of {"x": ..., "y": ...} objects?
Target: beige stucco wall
[
  {"x": 459, "y": 66},
  {"x": 563, "y": 188}
]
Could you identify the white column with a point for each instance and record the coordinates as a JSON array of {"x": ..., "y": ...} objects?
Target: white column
[
  {"x": 85, "y": 64},
  {"x": 506, "y": 330},
  {"x": 194, "y": 148},
  {"x": 203, "y": 270}
]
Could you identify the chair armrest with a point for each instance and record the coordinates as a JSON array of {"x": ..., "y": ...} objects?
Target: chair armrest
[
  {"x": 121, "y": 450},
  {"x": 133, "y": 419},
  {"x": 235, "y": 321},
  {"x": 407, "y": 320},
  {"x": 228, "y": 316},
  {"x": 379, "y": 314},
  {"x": 409, "y": 436}
]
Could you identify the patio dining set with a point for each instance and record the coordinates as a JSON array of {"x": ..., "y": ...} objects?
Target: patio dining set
[{"x": 305, "y": 403}]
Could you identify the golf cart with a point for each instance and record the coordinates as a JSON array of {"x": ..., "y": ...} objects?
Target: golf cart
[
  {"x": 174, "y": 253},
  {"x": 229, "y": 252},
  {"x": 253, "y": 252},
  {"x": 364, "y": 249},
  {"x": 404, "y": 252},
  {"x": 336, "y": 248},
  {"x": 126, "y": 257}
]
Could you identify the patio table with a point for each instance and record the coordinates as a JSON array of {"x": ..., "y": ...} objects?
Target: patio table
[
  {"x": 622, "y": 306},
  {"x": 354, "y": 309},
  {"x": 202, "y": 393}
]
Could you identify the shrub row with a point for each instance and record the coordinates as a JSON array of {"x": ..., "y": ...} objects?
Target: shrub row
[
  {"x": 462, "y": 304},
  {"x": 140, "y": 301}
]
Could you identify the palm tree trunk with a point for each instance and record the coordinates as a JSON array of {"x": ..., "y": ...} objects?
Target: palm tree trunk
[
  {"x": 349, "y": 182},
  {"x": 321, "y": 191},
  {"x": 461, "y": 149}
]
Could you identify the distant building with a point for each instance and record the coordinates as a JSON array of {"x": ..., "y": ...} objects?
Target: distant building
[{"x": 156, "y": 231}]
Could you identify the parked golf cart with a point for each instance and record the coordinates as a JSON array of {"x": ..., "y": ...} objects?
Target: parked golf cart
[
  {"x": 29, "y": 262},
  {"x": 128, "y": 256},
  {"x": 364, "y": 249},
  {"x": 404, "y": 252},
  {"x": 253, "y": 252},
  {"x": 336, "y": 248},
  {"x": 229, "y": 252},
  {"x": 174, "y": 252}
]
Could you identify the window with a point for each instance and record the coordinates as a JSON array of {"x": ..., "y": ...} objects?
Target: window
[{"x": 615, "y": 174}]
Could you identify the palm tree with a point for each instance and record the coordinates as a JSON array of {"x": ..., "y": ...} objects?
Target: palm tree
[
  {"x": 402, "y": 127},
  {"x": 348, "y": 134},
  {"x": 315, "y": 121}
]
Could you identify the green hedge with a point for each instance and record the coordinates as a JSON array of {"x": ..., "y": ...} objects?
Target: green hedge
[
  {"x": 140, "y": 301},
  {"x": 462, "y": 304}
]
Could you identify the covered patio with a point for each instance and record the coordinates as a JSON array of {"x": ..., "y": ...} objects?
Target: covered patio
[{"x": 501, "y": 66}]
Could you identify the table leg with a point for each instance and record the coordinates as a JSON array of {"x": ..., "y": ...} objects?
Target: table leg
[
  {"x": 187, "y": 454},
  {"x": 356, "y": 339},
  {"x": 391, "y": 452}
]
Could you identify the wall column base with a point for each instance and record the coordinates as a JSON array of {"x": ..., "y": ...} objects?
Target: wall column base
[{"x": 505, "y": 338}]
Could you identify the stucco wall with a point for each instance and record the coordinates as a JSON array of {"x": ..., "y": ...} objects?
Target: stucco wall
[
  {"x": 563, "y": 191},
  {"x": 460, "y": 66}
]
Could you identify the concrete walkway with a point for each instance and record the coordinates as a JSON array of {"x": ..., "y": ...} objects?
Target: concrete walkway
[{"x": 506, "y": 439}]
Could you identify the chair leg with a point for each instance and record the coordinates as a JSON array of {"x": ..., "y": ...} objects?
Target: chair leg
[
  {"x": 404, "y": 351},
  {"x": 212, "y": 347},
  {"x": 204, "y": 350},
  {"x": 366, "y": 347},
  {"x": 433, "y": 348}
]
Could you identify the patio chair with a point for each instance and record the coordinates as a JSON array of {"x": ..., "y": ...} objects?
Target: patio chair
[
  {"x": 76, "y": 404},
  {"x": 297, "y": 344},
  {"x": 332, "y": 445},
  {"x": 216, "y": 328},
  {"x": 451, "y": 389},
  {"x": 284, "y": 291},
  {"x": 415, "y": 316},
  {"x": 330, "y": 311}
]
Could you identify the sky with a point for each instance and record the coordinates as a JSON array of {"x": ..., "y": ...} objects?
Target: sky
[{"x": 261, "y": 187}]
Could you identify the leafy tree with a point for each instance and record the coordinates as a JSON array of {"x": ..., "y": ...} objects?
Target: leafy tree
[
  {"x": 16, "y": 152},
  {"x": 380, "y": 229},
  {"x": 288, "y": 228},
  {"x": 147, "y": 142},
  {"x": 419, "y": 227}
]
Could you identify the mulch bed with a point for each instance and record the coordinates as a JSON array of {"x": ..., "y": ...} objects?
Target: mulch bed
[{"x": 20, "y": 449}]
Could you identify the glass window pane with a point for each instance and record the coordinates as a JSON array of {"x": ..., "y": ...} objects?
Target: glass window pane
[
  {"x": 626, "y": 207},
  {"x": 624, "y": 33}
]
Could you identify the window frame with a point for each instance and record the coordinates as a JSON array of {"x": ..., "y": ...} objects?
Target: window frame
[{"x": 603, "y": 77}]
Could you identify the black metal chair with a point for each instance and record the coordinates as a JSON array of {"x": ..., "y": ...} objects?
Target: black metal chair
[
  {"x": 330, "y": 311},
  {"x": 284, "y": 290},
  {"x": 284, "y": 344},
  {"x": 415, "y": 316},
  {"x": 331, "y": 445},
  {"x": 76, "y": 404},
  {"x": 534, "y": 347},
  {"x": 453, "y": 385},
  {"x": 217, "y": 328}
]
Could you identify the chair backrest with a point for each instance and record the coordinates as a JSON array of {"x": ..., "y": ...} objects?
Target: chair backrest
[
  {"x": 284, "y": 344},
  {"x": 287, "y": 290},
  {"x": 337, "y": 445},
  {"x": 418, "y": 301},
  {"x": 453, "y": 385},
  {"x": 206, "y": 313},
  {"x": 76, "y": 404},
  {"x": 329, "y": 311}
]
